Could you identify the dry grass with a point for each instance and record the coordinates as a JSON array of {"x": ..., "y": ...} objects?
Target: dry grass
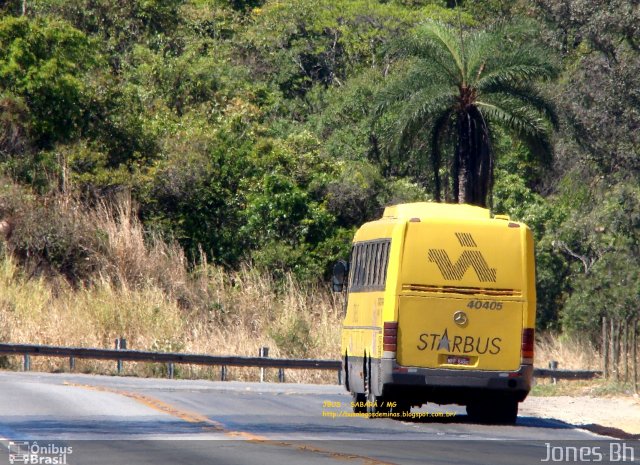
[
  {"x": 131, "y": 259},
  {"x": 576, "y": 354},
  {"x": 570, "y": 353},
  {"x": 246, "y": 311},
  {"x": 142, "y": 290}
]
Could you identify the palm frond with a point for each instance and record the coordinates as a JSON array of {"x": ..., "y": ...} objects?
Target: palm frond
[
  {"x": 402, "y": 87},
  {"x": 531, "y": 125},
  {"x": 528, "y": 95},
  {"x": 437, "y": 45},
  {"x": 512, "y": 68},
  {"x": 511, "y": 114},
  {"x": 478, "y": 47},
  {"x": 484, "y": 47},
  {"x": 418, "y": 115}
]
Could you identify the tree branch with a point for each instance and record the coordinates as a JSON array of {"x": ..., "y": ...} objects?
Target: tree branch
[{"x": 587, "y": 262}]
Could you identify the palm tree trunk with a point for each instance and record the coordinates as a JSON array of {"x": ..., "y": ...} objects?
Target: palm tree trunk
[
  {"x": 463, "y": 179},
  {"x": 474, "y": 160},
  {"x": 482, "y": 158},
  {"x": 463, "y": 173},
  {"x": 455, "y": 176}
]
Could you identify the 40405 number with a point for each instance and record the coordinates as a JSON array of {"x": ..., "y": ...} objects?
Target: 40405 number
[{"x": 484, "y": 304}]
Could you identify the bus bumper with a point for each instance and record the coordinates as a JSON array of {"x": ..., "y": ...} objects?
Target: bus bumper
[{"x": 516, "y": 383}]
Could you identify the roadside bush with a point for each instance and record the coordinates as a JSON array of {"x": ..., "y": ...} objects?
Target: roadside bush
[
  {"x": 56, "y": 240},
  {"x": 58, "y": 236}
]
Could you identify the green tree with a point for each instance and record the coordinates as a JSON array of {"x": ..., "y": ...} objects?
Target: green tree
[
  {"x": 599, "y": 94},
  {"x": 118, "y": 23},
  {"x": 42, "y": 63},
  {"x": 601, "y": 239},
  {"x": 456, "y": 85},
  {"x": 300, "y": 43}
]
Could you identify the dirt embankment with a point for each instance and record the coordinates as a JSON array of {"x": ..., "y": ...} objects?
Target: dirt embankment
[{"x": 613, "y": 416}]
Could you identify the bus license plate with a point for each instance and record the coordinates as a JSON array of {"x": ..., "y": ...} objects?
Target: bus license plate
[{"x": 453, "y": 360}]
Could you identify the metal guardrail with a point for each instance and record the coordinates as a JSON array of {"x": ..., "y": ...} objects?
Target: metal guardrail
[
  {"x": 167, "y": 357},
  {"x": 566, "y": 374},
  {"x": 170, "y": 358}
]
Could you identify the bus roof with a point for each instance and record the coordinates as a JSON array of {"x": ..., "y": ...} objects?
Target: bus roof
[{"x": 425, "y": 210}]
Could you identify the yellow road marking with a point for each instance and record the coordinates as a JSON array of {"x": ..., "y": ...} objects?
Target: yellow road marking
[
  {"x": 212, "y": 425},
  {"x": 157, "y": 405}
]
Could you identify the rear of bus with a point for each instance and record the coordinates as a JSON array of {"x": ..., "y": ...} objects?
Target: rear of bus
[{"x": 465, "y": 313}]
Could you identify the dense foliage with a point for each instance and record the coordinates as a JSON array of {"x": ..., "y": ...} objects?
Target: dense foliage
[{"x": 266, "y": 131}]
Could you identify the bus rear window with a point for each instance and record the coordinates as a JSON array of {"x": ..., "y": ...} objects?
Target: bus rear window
[{"x": 369, "y": 262}]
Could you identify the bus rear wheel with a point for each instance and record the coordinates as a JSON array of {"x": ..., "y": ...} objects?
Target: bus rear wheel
[
  {"x": 375, "y": 404},
  {"x": 495, "y": 411},
  {"x": 359, "y": 401},
  {"x": 507, "y": 412}
]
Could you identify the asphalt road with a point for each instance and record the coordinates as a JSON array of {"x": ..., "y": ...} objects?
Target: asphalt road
[{"x": 116, "y": 420}]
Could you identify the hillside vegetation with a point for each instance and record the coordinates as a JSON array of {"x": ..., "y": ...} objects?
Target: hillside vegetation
[{"x": 174, "y": 169}]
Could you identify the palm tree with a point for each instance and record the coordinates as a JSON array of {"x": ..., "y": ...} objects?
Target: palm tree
[{"x": 455, "y": 87}]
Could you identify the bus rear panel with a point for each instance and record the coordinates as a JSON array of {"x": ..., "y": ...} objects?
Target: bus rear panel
[{"x": 441, "y": 308}]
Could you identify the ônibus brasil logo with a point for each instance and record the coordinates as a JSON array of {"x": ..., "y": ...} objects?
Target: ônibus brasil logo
[{"x": 34, "y": 453}]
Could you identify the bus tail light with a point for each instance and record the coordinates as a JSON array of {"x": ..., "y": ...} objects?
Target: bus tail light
[
  {"x": 390, "y": 336},
  {"x": 528, "y": 341}
]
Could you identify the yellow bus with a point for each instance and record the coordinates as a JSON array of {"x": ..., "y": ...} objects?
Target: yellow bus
[{"x": 440, "y": 308}]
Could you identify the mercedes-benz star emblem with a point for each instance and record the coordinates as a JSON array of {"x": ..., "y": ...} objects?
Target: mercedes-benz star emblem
[{"x": 460, "y": 318}]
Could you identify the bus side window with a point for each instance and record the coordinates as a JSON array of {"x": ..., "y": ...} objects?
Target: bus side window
[
  {"x": 352, "y": 267},
  {"x": 370, "y": 265},
  {"x": 365, "y": 265},
  {"x": 359, "y": 277},
  {"x": 384, "y": 262},
  {"x": 376, "y": 264},
  {"x": 369, "y": 262}
]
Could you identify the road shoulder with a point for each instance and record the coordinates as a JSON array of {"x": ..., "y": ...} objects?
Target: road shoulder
[{"x": 611, "y": 416}]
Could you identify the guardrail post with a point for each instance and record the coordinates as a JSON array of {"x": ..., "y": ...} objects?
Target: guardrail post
[
  {"x": 625, "y": 345},
  {"x": 121, "y": 344},
  {"x": 281, "y": 375},
  {"x": 223, "y": 373},
  {"x": 340, "y": 377},
  {"x": 605, "y": 349},
  {"x": 264, "y": 352},
  {"x": 26, "y": 364},
  {"x": 553, "y": 365},
  {"x": 72, "y": 363},
  {"x": 635, "y": 356},
  {"x": 170, "y": 369}
]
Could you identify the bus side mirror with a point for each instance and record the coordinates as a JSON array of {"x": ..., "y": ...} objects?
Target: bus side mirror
[{"x": 339, "y": 278}]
